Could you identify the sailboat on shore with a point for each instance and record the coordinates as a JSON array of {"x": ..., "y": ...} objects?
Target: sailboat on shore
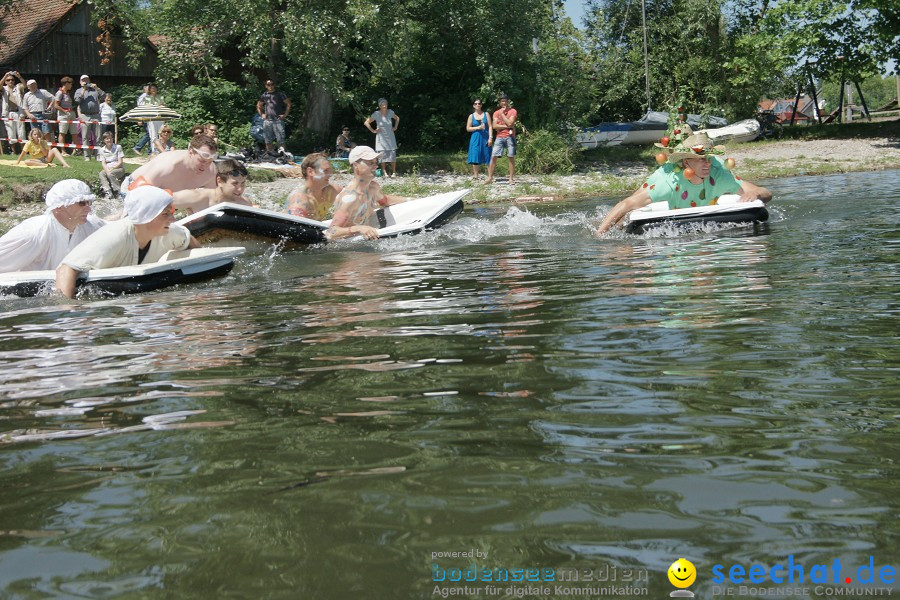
[{"x": 654, "y": 124}]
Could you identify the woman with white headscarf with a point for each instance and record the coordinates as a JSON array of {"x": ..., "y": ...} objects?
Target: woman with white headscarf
[
  {"x": 40, "y": 243},
  {"x": 143, "y": 235}
]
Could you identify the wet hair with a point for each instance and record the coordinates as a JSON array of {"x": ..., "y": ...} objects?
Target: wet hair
[
  {"x": 230, "y": 168},
  {"x": 311, "y": 160},
  {"x": 201, "y": 139}
]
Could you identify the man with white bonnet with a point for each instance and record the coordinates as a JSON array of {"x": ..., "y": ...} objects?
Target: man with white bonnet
[
  {"x": 40, "y": 243},
  {"x": 143, "y": 235}
]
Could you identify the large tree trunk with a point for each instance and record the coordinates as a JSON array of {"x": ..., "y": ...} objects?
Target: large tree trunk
[{"x": 319, "y": 111}]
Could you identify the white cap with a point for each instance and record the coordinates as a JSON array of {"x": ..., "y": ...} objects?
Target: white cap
[
  {"x": 362, "y": 153},
  {"x": 83, "y": 77},
  {"x": 30, "y": 81},
  {"x": 144, "y": 204},
  {"x": 67, "y": 192}
]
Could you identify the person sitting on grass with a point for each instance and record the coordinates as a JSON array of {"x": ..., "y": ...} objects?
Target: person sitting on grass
[
  {"x": 355, "y": 206},
  {"x": 39, "y": 151},
  {"x": 112, "y": 157},
  {"x": 40, "y": 243},
  {"x": 142, "y": 236},
  {"x": 164, "y": 142},
  {"x": 314, "y": 197},
  {"x": 692, "y": 176},
  {"x": 231, "y": 180}
]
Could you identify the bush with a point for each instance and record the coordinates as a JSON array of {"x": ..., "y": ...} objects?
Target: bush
[{"x": 545, "y": 152}]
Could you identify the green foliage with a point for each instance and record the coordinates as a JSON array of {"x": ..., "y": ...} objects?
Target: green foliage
[{"x": 545, "y": 151}]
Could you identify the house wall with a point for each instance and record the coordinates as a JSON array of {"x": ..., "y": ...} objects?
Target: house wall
[{"x": 71, "y": 49}]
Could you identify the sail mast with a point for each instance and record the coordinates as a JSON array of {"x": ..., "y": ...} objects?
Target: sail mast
[{"x": 646, "y": 60}]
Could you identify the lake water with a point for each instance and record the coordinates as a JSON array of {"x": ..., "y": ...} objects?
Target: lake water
[{"x": 323, "y": 423}]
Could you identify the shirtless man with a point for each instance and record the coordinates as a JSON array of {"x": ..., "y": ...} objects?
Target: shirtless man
[
  {"x": 355, "y": 206},
  {"x": 314, "y": 197},
  {"x": 179, "y": 169},
  {"x": 231, "y": 180}
]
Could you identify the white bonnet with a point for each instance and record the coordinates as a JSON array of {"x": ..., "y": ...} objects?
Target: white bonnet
[
  {"x": 143, "y": 204},
  {"x": 67, "y": 192}
]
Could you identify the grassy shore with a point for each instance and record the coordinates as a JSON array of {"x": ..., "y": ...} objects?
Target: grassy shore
[{"x": 816, "y": 150}]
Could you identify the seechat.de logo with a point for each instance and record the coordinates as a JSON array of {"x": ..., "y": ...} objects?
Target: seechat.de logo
[{"x": 792, "y": 572}]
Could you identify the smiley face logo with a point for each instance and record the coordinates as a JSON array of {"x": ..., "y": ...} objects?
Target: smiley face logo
[{"x": 682, "y": 573}]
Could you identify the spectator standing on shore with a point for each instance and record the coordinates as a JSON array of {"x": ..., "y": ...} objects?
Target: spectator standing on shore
[
  {"x": 504, "y": 123},
  {"x": 65, "y": 111},
  {"x": 479, "y": 125},
  {"x": 87, "y": 102},
  {"x": 145, "y": 138},
  {"x": 108, "y": 116},
  {"x": 154, "y": 99},
  {"x": 12, "y": 95},
  {"x": 386, "y": 123},
  {"x": 112, "y": 157},
  {"x": 36, "y": 105},
  {"x": 274, "y": 107},
  {"x": 40, "y": 243}
]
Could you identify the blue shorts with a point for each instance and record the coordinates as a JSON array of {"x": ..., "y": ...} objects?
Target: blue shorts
[
  {"x": 505, "y": 142},
  {"x": 44, "y": 127}
]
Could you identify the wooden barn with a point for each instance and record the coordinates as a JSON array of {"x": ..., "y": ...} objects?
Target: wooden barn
[{"x": 48, "y": 39}]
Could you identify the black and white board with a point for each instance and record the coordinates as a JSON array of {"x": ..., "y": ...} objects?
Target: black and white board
[
  {"x": 726, "y": 210},
  {"x": 175, "y": 267},
  {"x": 236, "y": 223}
]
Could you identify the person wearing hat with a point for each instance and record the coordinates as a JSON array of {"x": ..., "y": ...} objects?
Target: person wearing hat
[
  {"x": 40, "y": 243},
  {"x": 504, "y": 121},
  {"x": 143, "y": 235},
  {"x": 386, "y": 123},
  {"x": 37, "y": 104},
  {"x": 693, "y": 175},
  {"x": 87, "y": 102},
  {"x": 355, "y": 206}
]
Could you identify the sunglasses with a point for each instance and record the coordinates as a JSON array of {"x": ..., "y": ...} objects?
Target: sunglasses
[{"x": 205, "y": 155}]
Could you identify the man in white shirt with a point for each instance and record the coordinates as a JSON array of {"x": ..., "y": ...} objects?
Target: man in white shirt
[{"x": 40, "y": 243}]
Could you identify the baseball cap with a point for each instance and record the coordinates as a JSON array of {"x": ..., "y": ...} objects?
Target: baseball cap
[{"x": 362, "y": 153}]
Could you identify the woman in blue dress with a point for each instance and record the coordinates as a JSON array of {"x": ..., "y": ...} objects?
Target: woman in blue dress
[{"x": 479, "y": 125}]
